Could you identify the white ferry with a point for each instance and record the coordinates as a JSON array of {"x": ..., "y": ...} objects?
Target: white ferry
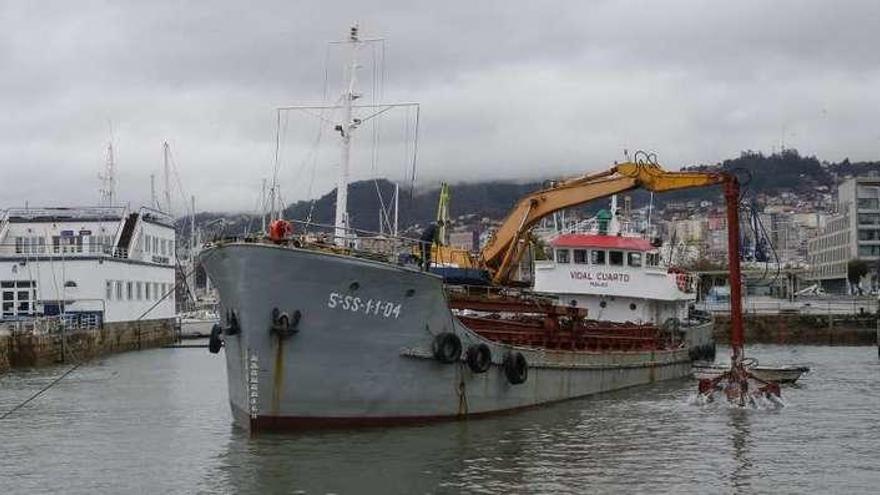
[
  {"x": 89, "y": 266},
  {"x": 619, "y": 276}
]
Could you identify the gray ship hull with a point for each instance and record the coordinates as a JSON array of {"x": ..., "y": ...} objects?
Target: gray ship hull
[{"x": 361, "y": 353}]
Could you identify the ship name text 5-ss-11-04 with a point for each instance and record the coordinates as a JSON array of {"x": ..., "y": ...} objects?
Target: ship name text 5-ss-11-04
[{"x": 374, "y": 307}]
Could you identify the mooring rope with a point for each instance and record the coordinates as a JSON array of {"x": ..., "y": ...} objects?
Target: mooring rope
[{"x": 47, "y": 387}]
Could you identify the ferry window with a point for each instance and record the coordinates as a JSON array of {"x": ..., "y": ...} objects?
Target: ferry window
[
  {"x": 140, "y": 290},
  {"x": 118, "y": 290},
  {"x": 109, "y": 290},
  {"x": 580, "y": 256},
  {"x": 148, "y": 243},
  {"x": 562, "y": 256},
  {"x": 155, "y": 245},
  {"x": 635, "y": 259},
  {"x": 615, "y": 258},
  {"x": 129, "y": 290},
  {"x": 597, "y": 257},
  {"x": 147, "y": 291}
]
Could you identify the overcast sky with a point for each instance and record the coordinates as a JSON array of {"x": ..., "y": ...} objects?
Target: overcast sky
[{"x": 508, "y": 90}]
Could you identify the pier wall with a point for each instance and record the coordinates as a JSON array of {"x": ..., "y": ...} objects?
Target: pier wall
[
  {"x": 4, "y": 350},
  {"x": 802, "y": 329},
  {"x": 28, "y": 348}
]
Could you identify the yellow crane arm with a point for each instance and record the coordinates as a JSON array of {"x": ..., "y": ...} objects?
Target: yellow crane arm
[{"x": 504, "y": 249}]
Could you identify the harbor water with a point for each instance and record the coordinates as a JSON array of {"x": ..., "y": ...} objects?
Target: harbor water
[{"x": 158, "y": 422}]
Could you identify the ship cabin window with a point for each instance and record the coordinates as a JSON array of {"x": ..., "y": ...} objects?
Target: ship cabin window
[
  {"x": 108, "y": 292},
  {"x": 147, "y": 291},
  {"x": 597, "y": 257},
  {"x": 118, "y": 290},
  {"x": 615, "y": 258},
  {"x": 140, "y": 290},
  {"x": 580, "y": 256},
  {"x": 563, "y": 256},
  {"x": 634, "y": 259},
  {"x": 652, "y": 259},
  {"x": 129, "y": 291}
]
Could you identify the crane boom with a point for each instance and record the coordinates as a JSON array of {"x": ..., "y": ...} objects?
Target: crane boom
[{"x": 505, "y": 248}]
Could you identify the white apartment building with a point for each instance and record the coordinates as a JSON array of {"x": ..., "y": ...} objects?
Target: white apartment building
[{"x": 853, "y": 233}]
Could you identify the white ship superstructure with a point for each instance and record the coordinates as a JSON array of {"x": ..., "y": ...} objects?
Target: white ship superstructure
[
  {"x": 89, "y": 265},
  {"x": 618, "y": 275},
  {"x": 616, "y": 278}
]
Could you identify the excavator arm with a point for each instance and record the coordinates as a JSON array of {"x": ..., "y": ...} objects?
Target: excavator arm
[{"x": 506, "y": 246}]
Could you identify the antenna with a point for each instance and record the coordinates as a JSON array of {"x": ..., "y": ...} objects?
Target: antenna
[{"x": 108, "y": 178}]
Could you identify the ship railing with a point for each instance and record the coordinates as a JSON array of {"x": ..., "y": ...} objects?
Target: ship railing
[
  {"x": 591, "y": 226},
  {"x": 47, "y": 325},
  {"x": 356, "y": 242},
  {"x": 72, "y": 213},
  {"x": 855, "y": 306}
]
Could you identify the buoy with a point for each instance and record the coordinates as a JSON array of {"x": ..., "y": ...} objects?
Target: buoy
[{"x": 280, "y": 230}]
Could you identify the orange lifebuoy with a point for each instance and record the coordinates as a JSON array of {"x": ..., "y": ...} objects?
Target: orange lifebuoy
[{"x": 280, "y": 230}]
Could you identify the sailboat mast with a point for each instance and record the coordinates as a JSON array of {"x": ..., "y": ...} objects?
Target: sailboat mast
[
  {"x": 166, "y": 151},
  {"x": 108, "y": 178},
  {"x": 396, "y": 206},
  {"x": 192, "y": 248},
  {"x": 346, "y": 128}
]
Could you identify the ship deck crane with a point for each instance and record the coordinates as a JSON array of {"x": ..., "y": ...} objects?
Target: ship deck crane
[{"x": 506, "y": 246}]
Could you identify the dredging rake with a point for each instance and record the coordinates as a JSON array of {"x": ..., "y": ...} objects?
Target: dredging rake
[{"x": 740, "y": 386}]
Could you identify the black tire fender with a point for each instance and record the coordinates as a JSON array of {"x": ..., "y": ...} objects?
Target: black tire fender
[
  {"x": 478, "y": 357},
  {"x": 516, "y": 368},
  {"x": 214, "y": 341},
  {"x": 446, "y": 347}
]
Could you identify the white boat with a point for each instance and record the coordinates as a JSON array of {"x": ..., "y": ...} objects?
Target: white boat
[
  {"x": 618, "y": 274},
  {"x": 197, "y": 324},
  {"x": 779, "y": 374}
]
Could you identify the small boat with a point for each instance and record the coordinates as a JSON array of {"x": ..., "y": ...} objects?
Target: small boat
[
  {"x": 779, "y": 374},
  {"x": 197, "y": 324}
]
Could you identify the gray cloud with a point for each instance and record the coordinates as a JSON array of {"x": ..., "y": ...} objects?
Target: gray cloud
[{"x": 507, "y": 90}]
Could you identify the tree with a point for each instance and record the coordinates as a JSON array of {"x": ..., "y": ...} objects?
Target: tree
[{"x": 855, "y": 270}]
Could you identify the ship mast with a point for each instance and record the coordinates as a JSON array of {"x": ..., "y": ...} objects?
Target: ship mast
[{"x": 346, "y": 129}]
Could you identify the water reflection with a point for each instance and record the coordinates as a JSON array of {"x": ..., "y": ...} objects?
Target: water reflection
[{"x": 740, "y": 438}]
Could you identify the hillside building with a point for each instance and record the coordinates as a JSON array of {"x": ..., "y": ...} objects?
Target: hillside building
[{"x": 852, "y": 233}]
